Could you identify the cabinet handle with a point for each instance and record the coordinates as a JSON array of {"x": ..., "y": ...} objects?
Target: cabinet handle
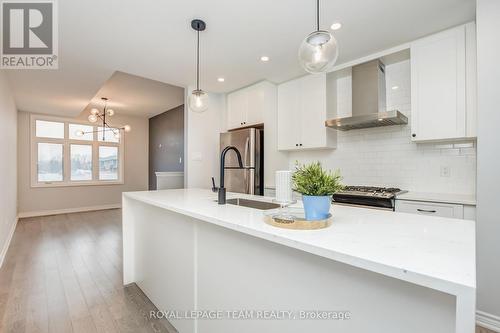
[
  {"x": 300, "y": 144},
  {"x": 296, "y": 145},
  {"x": 426, "y": 210},
  {"x": 413, "y": 135}
]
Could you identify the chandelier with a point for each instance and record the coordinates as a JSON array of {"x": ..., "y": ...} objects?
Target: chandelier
[{"x": 96, "y": 115}]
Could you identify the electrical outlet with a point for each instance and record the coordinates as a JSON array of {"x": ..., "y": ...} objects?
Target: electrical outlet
[{"x": 445, "y": 171}]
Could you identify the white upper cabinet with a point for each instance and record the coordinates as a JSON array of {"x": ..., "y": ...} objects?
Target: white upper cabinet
[
  {"x": 237, "y": 107},
  {"x": 302, "y": 113},
  {"x": 247, "y": 106},
  {"x": 289, "y": 122},
  {"x": 258, "y": 101},
  {"x": 443, "y": 85}
]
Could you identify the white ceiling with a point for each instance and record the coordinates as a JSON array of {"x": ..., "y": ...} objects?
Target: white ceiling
[
  {"x": 137, "y": 96},
  {"x": 153, "y": 39}
]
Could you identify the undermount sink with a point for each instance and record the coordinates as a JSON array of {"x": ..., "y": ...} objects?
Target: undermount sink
[{"x": 262, "y": 205}]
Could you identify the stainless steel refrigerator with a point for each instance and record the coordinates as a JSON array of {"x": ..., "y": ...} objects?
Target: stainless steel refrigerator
[{"x": 250, "y": 144}]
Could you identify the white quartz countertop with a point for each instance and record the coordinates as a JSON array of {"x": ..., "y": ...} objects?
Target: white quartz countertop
[
  {"x": 462, "y": 199},
  {"x": 435, "y": 252}
]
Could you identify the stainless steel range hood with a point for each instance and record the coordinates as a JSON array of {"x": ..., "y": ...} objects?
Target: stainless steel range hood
[{"x": 368, "y": 100}]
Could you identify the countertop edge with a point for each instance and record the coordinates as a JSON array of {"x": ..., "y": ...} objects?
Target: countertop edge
[
  {"x": 437, "y": 198},
  {"x": 447, "y": 286}
]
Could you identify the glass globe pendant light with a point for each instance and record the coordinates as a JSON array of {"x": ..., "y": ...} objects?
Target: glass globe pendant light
[
  {"x": 92, "y": 118},
  {"x": 319, "y": 50},
  {"x": 198, "y": 100}
]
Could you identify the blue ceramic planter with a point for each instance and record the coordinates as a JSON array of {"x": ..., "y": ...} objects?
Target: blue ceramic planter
[{"x": 316, "y": 207}]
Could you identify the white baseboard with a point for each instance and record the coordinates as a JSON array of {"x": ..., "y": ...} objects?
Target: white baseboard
[
  {"x": 67, "y": 210},
  {"x": 488, "y": 321},
  {"x": 7, "y": 243}
]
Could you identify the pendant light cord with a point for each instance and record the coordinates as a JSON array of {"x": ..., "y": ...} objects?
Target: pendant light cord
[
  {"x": 198, "y": 61},
  {"x": 317, "y": 15}
]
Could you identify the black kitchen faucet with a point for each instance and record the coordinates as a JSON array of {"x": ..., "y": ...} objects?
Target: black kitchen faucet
[{"x": 221, "y": 189}]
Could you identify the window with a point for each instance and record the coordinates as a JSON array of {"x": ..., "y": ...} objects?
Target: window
[
  {"x": 88, "y": 134},
  {"x": 49, "y": 163},
  {"x": 81, "y": 162},
  {"x": 108, "y": 163},
  {"x": 108, "y": 136},
  {"x": 67, "y": 153},
  {"x": 49, "y": 129}
]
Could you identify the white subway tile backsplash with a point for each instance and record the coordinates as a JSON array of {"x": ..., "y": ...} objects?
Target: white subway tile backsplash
[
  {"x": 464, "y": 145},
  {"x": 450, "y": 152},
  {"x": 468, "y": 151},
  {"x": 444, "y": 146},
  {"x": 386, "y": 156}
]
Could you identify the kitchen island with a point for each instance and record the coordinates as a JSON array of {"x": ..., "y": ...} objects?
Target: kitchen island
[{"x": 373, "y": 270}]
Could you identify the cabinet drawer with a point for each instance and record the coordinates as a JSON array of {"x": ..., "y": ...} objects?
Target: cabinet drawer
[{"x": 430, "y": 208}]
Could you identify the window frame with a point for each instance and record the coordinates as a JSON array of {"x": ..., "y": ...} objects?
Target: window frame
[{"x": 66, "y": 159}]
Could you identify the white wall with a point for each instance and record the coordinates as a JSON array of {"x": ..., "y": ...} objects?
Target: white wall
[
  {"x": 202, "y": 142},
  {"x": 488, "y": 158},
  {"x": 385, "y": 156},
  {"x": 274, "y": 160},
  {"x": 33, "y": 201},
  {"x": 8, "y": 174}
]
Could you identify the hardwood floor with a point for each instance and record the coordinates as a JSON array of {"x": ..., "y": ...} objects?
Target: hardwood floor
[{"x": 63, "y": 273}]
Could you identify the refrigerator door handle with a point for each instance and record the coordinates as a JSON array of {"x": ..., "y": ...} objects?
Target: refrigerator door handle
[
  {"x": 251, "y": 183},
  {"x": 245, "y": 176},
  {"x": 247, "y": 146}
]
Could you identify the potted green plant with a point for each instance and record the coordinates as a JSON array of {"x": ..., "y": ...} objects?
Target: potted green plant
[{"x": 317, "y": 187}]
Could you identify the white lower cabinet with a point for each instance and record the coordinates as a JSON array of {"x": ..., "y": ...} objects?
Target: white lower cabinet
[{"x": 457, "y": 211}]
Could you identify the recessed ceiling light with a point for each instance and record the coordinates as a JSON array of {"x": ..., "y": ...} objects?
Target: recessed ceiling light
[
  {"x": 336, "y": 26},
  {"x": 395, "y": 87},
  {"x": 264, "y": 58},
  {"x": 220, "y": 79}
]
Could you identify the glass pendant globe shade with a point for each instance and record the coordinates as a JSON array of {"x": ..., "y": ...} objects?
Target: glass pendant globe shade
[
  {"x": 79, "y": 133},
  {"x": 127, "y": 128},
  {"x": 92, "y": 118},
  {"x": 318, "y": 52},
  {"x": 110, "y": 112},
  {"x": 94, "y": 111},
  {"x": 198, "y": 101}
]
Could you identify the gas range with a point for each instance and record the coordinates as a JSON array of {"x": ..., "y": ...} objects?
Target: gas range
[{"x": 368, "y": 196}]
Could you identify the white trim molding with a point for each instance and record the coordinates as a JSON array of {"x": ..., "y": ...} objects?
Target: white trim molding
[
  {"x": 488, "y": 321},
  {"x": 169, "y": 180},
  {"x": 67, "y": 210},
  {"x": 7, "y": 243}
]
